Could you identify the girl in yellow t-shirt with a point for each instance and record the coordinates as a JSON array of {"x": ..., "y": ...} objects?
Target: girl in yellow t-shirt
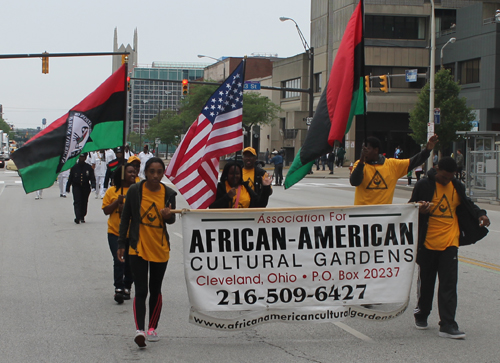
[
  {"x": 233, "y": 192},
  {"x": 112, "y": 205},
  {"x": 145, "y": 215}
]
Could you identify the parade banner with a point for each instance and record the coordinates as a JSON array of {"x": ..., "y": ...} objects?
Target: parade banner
[{"x": 298, "y": 265}]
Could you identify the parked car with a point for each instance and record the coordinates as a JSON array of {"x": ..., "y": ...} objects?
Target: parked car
[
  {"x": 11, "y": 165},
  {"x": 2, "y": 163}
]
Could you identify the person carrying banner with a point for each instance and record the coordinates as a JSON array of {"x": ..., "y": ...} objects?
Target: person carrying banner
[
  {"x": 112, "y": 206},
  {"x": 233, "y": 192},
  {"x": 375, "y": 177},
  {"x": 253, "y": 174},
  {"x": 440, "y": 232},
  {"x": 81, "y": 177},
  {"x": 145, "y": 214}
]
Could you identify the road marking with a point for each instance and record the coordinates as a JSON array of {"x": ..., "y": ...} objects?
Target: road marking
[
  {"x": 354, "y": 332},
  {"x": 2, "y": 181},
  {"x": 178, "y": 235},
  {"x": 472, "y": 261},
  {"x": 19, "y": 182}
]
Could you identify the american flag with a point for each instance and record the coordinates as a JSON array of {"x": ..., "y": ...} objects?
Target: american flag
[{"x": 217, "y": 131}]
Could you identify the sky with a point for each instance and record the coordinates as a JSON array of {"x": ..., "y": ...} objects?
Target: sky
[{"x": 168, "y": 31}]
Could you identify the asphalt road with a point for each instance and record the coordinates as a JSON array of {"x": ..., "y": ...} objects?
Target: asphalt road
[{"x": 56, "y": 296}]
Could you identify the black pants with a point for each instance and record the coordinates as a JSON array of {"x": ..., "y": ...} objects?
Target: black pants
[
  {"x": 278, "y": 174},
  {"x": 418, "y": 174},
  {"x": 340, "y": 162},
  {"x": 140, "y": 269},
  {"x": 121, "y": 270},
  {"x": 80, "y": 201},
  {"x": 444, "y": 264}
]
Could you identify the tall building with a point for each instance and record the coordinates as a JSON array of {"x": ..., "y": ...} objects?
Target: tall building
[
  {"x": 397, "y": 39},
  {"x": 133, "y": 56},
  {"x": 148, "y": 96}
]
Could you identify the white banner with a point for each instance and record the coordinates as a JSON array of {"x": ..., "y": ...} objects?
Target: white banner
[{"x": 299, "y": 265}]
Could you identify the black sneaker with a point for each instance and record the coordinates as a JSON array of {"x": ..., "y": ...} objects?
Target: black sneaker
[
  {"x": 82, "y": 220},
  {"x": 126, "y": 294},
  {"x": 77, "y": 221},
  {"x": 421, "y": 324},
  {"x": 451, "y": 332},
  {"x": 119, "y": 296}
]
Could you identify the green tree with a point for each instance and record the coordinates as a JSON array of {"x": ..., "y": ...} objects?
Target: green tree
[
  {"x": 455, "y": 115},
  {"x": 4, "y": 126},
  {"x": 168, "y": 128}
]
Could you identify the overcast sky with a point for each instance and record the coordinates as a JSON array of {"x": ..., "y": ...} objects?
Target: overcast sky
[{"x": 168, "y": 31}]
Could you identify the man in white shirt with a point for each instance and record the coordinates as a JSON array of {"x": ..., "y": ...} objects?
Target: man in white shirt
[
  {"x": 144, "y": 156},
  {"x": 99, "y": 165}
]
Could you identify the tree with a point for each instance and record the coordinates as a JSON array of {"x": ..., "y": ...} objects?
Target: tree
[
  {"x": 4, "y": 126},
  {"x": 257, "y": 110},
  {"x": 455, "y": 115},
  {"x": 168, "y": 128}
]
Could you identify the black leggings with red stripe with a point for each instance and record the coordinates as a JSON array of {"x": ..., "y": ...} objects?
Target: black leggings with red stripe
[{"x": 140, "y": 269}]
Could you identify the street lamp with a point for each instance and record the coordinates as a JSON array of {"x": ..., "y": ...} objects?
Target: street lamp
[
  {"x": 140, "y": 123},
  {"x": 432, "y": 71},
  {"x": 452, "y": 40},
  {"x": 218, "y": 60},
  {"x": 310, "y": 52}
]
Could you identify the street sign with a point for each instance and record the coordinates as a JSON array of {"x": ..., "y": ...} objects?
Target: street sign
[
  {"x": 308, "y": 120},
  {"x": 157, "y": 141},
  {"x": 411, "y": 75},
  {"x": 437, "y": 116},
  {"x": 251, "y": 86},
  {"x": 430, "y": 128}
]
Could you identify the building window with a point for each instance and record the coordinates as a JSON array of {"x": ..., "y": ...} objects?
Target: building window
[
  {"x": 318, "y": 82},
  {"x": 394, "y": 27},
  {"x": 291, "y": 83},
  {"x": 469, "y": 71}
]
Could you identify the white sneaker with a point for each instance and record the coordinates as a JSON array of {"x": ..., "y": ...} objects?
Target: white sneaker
[
  {"x": 140, "y": 338},
  {"x": 153, "y": 335}
]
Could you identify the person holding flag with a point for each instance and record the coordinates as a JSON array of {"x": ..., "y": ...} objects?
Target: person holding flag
[{"x": 375, "y": 177}]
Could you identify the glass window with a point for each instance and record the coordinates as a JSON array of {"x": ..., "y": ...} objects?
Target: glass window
[
  {"x": 318, "y": 83},
  {"x": 292, "y": 83},
  {"x": 469, "y": 71},
  {"x": 394, "y": 27}
]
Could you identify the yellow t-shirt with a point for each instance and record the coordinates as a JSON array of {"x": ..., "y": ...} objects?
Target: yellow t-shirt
[
  {"x": 443, "y": 230},
  {"x": 244, "y": 201},
  {"x": 248, "y": 176},
  {"x": 114, "y": 218},
  {"x": 152, "y": 245},
  {"x": 379, "y": 181}
]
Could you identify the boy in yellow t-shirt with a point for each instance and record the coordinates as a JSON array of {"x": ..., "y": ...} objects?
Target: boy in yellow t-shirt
[
  {"x": 440, "y": 194},
  {"x": 375, "y": 177}
]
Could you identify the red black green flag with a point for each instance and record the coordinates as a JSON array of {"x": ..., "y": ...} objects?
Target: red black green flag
[
  {"x": 96, "y": 123},
  {"x": 344, "y": 97}
]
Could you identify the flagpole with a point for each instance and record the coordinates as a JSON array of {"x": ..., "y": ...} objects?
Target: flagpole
[
  {"x": 125, "y": 64},
  {"x": 365, "y": 131}
]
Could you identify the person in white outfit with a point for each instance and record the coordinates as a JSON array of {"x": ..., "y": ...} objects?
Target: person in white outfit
[
  {"x": 144, "y": 156},
  {"x": 110, "y": 155},
  {"x": 99, "y": 165},
  {"x": 62, "y": 179},
  {"x": 38, "y": 194},
  {"x": 127, "y": 153}
]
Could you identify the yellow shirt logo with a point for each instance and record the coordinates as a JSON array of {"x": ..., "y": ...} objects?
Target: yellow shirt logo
[{"x": 377, "y": 182}]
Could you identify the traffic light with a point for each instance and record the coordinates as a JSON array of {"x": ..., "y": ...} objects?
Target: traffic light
[
  {"x": 185, "y": 87},
  {"x": 45, "y": 64},
  {"x": 128, "y": 84},
  {"x": 124, "y": 58},
  {"x": 384, "y": 86},
  {"x": 367, "y": 84}
]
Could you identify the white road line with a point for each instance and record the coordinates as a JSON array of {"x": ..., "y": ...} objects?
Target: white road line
[
  {"x": 354, "y": 332},
  {"x": 19, "y": 182},
  {"x": 2, "y": 181},
  {"x": 178, "y": 235}
]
